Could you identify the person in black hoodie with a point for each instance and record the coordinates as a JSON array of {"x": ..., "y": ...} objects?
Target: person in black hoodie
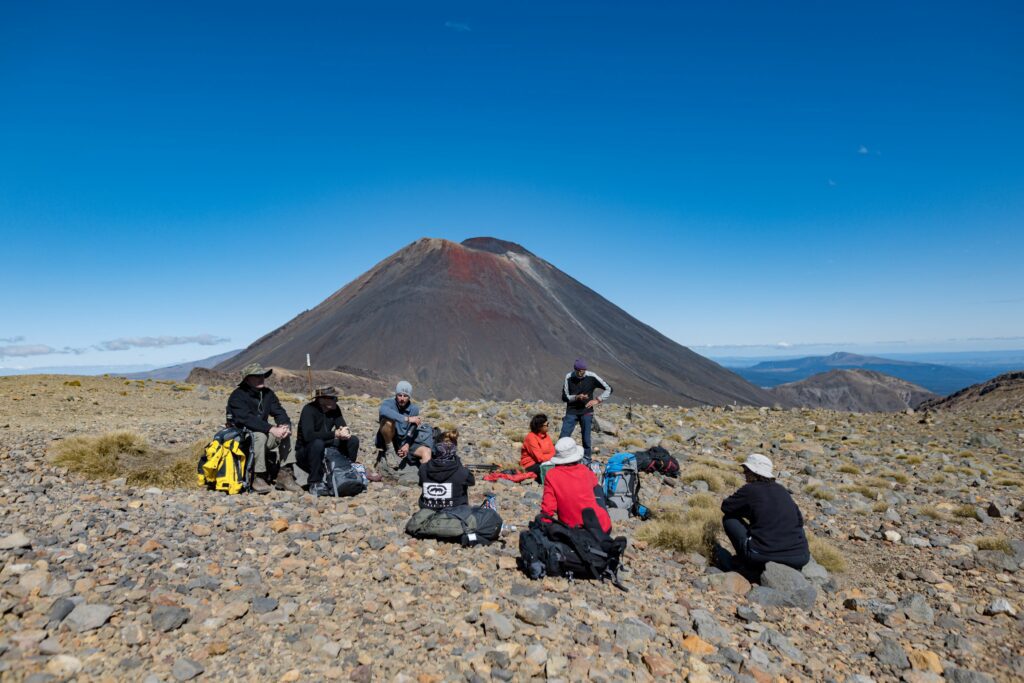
[
  {"x": 444, "y": 480},
  {"x": 322, "y": 426},
  {"x": 578, "y": 395},
  {"x": 763, "y": 522},
  {"x": 249, "y": 406}
]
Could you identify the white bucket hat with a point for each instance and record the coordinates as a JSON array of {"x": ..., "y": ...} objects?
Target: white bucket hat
[
  {"x": 566, "y": 452},
  {"x": 760, "y": 465}
]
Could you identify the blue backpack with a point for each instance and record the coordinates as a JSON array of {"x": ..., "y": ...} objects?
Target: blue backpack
[{"x": 621, "y": 484}]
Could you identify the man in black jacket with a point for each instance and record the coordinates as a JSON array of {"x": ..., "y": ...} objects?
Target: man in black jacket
[
  {"x": 763, "y": 522},
  {"x": 578, "y": 395},
  {"x": 249, "y": 406},
  {"x": 322, "y": 426}
]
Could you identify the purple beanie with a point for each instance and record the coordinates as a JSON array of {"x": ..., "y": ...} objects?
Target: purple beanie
[{"x": 580, "y": 364}]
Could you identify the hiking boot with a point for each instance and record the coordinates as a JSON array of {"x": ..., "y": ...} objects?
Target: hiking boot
[
  {"x": 286, "y": 481},
  {"x": 260, "y": 485}
]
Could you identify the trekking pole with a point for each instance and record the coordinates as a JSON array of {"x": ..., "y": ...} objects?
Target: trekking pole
[{"x": 309, "y": 377}]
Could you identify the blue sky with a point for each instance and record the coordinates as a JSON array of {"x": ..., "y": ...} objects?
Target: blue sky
[{"x": 177, "y": 179}]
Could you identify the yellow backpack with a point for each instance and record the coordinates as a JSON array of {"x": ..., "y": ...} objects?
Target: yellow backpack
[{"x": 222, "y": 465}]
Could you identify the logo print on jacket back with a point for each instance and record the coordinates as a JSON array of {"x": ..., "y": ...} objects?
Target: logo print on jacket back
[{"x": 435, "y": 491}]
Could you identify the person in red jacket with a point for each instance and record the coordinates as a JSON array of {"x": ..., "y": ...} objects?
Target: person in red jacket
[
  {"x": 537, "y": 446},
  {"x": 570, "y": 487}
]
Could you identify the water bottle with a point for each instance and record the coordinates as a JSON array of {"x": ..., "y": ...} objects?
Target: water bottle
[
  {"x": 491, "y": 502},
  {"x": 595, "y": 467}
]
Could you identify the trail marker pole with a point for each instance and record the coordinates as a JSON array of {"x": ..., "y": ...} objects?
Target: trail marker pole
[{"x": 309, "y": 377}]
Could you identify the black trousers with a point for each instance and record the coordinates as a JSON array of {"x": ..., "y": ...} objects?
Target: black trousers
[{"x": 311, "y": 455}]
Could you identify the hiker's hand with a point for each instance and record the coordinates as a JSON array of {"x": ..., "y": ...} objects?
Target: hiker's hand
[
  {"x": 414, "y": 420},
  {"x": 404, "y": 450},
  {"x": 581, "y": 397},
  {"x": 279, "y": 431},
  {"x": 592, "y": 402},
  {"x": 344, "y": 433}
]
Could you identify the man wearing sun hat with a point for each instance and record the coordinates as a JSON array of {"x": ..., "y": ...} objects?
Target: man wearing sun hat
[
  {"x": 570, "y": 487},
  {"x": 762, "y": 521},
  {"x": 322, "y": 426},
  {"x": 251, "y": 405}
]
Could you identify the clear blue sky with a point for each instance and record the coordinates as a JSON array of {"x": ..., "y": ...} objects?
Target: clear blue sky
[{"x": 735, "y": 174}]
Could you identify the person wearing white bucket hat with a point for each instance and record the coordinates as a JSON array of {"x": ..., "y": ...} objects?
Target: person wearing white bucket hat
[
  {"x": 570, "y": 487},
  {"x": 763, "y": 522}
]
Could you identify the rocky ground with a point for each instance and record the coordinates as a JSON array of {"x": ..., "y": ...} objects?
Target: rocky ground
[{"x": 101, "y": 581}]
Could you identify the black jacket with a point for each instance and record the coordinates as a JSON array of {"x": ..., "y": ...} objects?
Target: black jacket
[
  {"x": 587, "y": 384},
  {"x": 316, "y": 424},
  {"x": 444, "y": 484},
  {"x": 776, "y": 525},
  {"x": 250, "y": 408}
]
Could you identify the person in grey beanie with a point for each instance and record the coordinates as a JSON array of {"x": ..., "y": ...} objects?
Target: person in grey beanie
[{"x": 403, "y": 428}]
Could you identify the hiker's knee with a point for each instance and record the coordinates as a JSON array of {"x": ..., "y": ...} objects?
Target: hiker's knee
[{"x": 423, "y": 454}]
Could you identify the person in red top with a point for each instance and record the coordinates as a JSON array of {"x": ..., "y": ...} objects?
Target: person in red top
[
  {"x": 570, "y": 487},
  {"x": 537, "y": 446}
]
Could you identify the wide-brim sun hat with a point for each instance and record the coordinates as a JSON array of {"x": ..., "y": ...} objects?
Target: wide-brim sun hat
[
  {"x": 325, "y": 392},
  {"x": 566, "y": 452},
  {"x": 255, "y": 369},
  {"x": 760, "y": 465}
]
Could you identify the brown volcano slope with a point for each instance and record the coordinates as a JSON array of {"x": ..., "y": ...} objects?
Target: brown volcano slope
[
  {"x": 999, "y": 394},
  {"x": 488, "y": 319},
  {"x": 858, "y": 391}
]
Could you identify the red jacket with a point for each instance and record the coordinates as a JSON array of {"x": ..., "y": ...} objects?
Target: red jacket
[
  {"x": 537, "y": 448},
  {"x": 568, "y": 490}
]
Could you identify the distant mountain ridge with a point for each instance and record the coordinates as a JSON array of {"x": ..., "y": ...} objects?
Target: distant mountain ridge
[
  {"x": 1002, "y": 393},
  {"x": 858, "y": 391},
  {"x": 488, "y": 319},
  {"x": 181, "y": 370},
  {"x": 940, "y": 379}
]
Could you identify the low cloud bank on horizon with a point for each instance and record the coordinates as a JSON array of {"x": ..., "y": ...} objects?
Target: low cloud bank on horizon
[{"x": 120, "y": 344}]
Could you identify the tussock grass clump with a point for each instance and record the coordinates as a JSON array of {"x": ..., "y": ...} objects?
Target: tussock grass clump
[
  {"x": 865, "y": 491},
  {"x": 819, "y": 492},
  {"x": 993, "y": 543},
  {"x": 849, "y": 468},
  {"x": 629, "y": 442},
  {"x": 128, "y": 455},
  {"x": 702, "y": 500},
  {"x": 690, "y": 529},
  {"x": 880, "y": 506},
  {"x": 73, "y": 383},
  {"x": 931, "y": 511},
  {"x": 826, "y": 554},
  {"x": 702, "y": 472},
  {"x": 966, "y": 512},
  {"x": 915, "y": 460}
]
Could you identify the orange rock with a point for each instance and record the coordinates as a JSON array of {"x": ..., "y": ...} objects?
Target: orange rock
[
  {"x": 150, "y": 545},
  {"x": 217, "y": 648},
  {"x": 925, "y": 660},
  {"x": 660, "y": 667},
  {"x": 201, "y": 530},
  {"x": 278, "y": 525},
  {"x": 698, "y": 646}
]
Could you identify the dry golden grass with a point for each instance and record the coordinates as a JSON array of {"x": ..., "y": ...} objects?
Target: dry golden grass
[
  {"x": 128, "y": 455},
  {"x": 703, "y": 473},
  {"x": 819, "y": 492},
  {"x": 689, "y": 529},
  {"x": 849, "y": 468},
  {"x": 993, "y": 543},
  {"x": 826, "y": 554},
  {"x": 931, "y": 511},
  {"x": 966, "y": 512}
]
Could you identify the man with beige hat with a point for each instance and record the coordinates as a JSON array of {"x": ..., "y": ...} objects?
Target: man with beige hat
[
  {"x": 250, "y": 406},
  {"x": 763, "y": 522}
]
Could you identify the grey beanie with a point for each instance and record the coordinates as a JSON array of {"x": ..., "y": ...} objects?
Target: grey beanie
[{"x": 404, "y": 388}]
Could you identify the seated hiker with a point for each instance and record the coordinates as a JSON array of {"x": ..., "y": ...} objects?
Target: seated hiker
[
  {"x": 444, "y": 480},
  {"x": 403, "y": 428},
  {"x": 570, "y": 487},
  {"x": 537, "y": 446},
  {"x": 322, "y": 425},
  {"x": 249, "y": 407},
  {"x": 763, "y": 522}
]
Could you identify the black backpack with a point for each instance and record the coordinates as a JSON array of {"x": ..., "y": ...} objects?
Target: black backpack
[
  {"x": 551, "y": 548},
  {"x": 657, "y": 459},
  {"x": 340, "y": 478}
]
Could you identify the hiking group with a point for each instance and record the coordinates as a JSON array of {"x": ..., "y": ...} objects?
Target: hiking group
[{"x": 571, "y": 535}]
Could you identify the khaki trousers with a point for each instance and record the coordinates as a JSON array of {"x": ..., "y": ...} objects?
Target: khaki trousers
[{"x": 262, "y": 444}]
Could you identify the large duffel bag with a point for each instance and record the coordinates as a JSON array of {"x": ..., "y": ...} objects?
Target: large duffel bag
[{"x": 460, "y": 524}]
